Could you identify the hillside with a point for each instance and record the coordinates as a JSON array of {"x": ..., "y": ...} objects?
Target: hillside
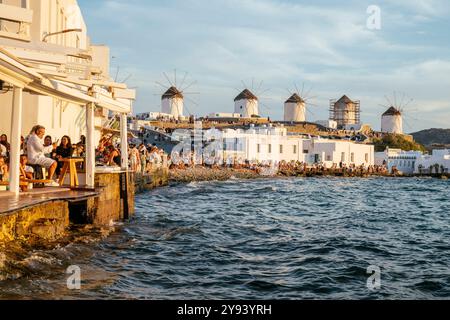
[
  {"x": 433, "y": 136},
  {"x": 396, "y": 141}
]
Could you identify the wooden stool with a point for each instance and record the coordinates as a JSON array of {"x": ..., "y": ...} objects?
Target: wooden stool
[{"x": 70, "y": 165}]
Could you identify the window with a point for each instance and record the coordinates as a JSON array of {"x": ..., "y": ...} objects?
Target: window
[
  {"x": 306, "y": 151},
  {"x": 270, "y": 148},
  {"x": 258, "y": 148},
  {"x": 352, "y": 157},
  {"x": 328, "y": 158},
  {"x": 295, "y": 149},
  {"x": 367, "y": 157},
  {"x": 343, "y": 157},
  {"x": 281, "y": 148}
]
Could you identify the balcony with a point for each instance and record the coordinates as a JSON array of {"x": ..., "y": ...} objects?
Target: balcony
[{"x": 15, "y": 22}]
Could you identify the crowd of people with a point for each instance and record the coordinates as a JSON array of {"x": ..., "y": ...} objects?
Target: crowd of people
[
  {"x": 190, "y": 159},
  {"x": 38, "y": 150},
  {"x": 141, "y": 158}
]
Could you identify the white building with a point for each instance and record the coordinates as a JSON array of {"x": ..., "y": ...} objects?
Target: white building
[
  {"x": 150, "y": 116},
  {"x": 392, "y": 121},
  {"x": 51, "y": 36},
  {"x": 223, "y": 115},
  {"x": 51, "y": 75},
  {"x": 330, "y": 124},
  {"x": 246, "y": 104},
  {"x": 172, "y": 102},
  {"x": 295, "y": 109},
  {"x": 438, "y": 161},
  {"x": 273, "y": 144},
  {"x": 404, "y": 161}
]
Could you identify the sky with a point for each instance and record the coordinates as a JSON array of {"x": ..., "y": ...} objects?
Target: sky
[{"x": 276, "y": 46}]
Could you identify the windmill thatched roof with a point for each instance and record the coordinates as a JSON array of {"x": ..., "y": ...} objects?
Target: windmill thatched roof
[
  {"x": 172, "y": 93},
  {"x": 345, "y": 100},
  {"x": 246, "y": 95},
  {"x": 295, "y": 98},
  {"x": 392, "y": 112}
]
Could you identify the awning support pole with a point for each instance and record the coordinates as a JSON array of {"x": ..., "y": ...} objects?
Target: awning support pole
[
  {"x": 16, "y": 130},
  {"x": 124, "y": 141},
  {"x": 90, "y": 146}
]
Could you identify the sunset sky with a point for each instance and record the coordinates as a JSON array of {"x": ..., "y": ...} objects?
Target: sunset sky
[{"x": 326, "y": 45}]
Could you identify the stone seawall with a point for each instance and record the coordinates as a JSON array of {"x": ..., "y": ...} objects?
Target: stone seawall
[
  {"x": 157, "y": 178},
  {"x": 44, "y": 221}
]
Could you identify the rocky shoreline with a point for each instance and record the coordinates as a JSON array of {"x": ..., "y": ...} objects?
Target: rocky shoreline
[{"x": 199, "y": 174}]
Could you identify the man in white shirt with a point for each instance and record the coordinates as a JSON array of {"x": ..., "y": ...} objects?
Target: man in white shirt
[{"x": 36, "y": 153}]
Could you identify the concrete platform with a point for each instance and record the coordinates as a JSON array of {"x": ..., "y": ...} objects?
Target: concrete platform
[{"x": 10, "y": 203}]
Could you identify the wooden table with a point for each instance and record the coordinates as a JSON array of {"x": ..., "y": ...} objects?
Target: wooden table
[{"x": 70, "y": 166}]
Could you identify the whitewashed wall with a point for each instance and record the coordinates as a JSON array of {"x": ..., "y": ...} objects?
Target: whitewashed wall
[
  {"x": 173, "y": 106},
  {"x": 246, "y": 108},
  {"x": 392, "y": 124},
  {"x": 295, "y": 112}
]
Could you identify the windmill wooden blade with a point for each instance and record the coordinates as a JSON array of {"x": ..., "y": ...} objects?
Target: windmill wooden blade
[
  {"x": 403, "y": 99},
  {"x": 389, "y": 101},
  {"x": 192, "y": 101},
  {"x": 407, "y": 124},
  {"x": 312, "y": 104},
  {"x": 309, "y": 111},
  {"x": 296, "y": 88},
  {"x": 307, "y": 93},
  {"x": 167, "y": 78},
  {"x": 260, "y": 86},
  {"x": 265, "y": 107},
  {"x": 194, "y": 82},
  {"x": 161, "y": 85},
  {"x": 184, "y": 79}
]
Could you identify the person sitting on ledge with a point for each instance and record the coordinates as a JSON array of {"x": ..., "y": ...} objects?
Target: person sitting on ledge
[
  {"x": 29, "y": 171},
  {"x": 36, "y": 153},
  {"x": 4, "y": 171},
  {"x": 114, "y": 158}
]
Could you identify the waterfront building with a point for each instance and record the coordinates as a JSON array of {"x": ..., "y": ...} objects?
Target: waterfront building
[
  {"x": 274, "y": 144},
  {"x": 223, "y": 115},
  {"x": 50, "y": 74},
  {"x": 329, "y": 124},
  {"x": 295, "y": 109},
  {"x": 246, "y": 104},
  {"x": 392, "y": 121},
  {"x": 436, "y": 163},
  {"x": 172, "y": 103},
  {"x": 403, "y": 161}
]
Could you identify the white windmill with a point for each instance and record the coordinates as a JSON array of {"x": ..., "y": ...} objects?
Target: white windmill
[
  {"x": 173, "y": 99},
  {"x": 295, "y": 108},
  {"x": 247, "y": 103},
  {"x": 392, "y": 119}
]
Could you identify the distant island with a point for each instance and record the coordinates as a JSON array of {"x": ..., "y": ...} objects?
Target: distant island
[{"x": 433, "y": 137}]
